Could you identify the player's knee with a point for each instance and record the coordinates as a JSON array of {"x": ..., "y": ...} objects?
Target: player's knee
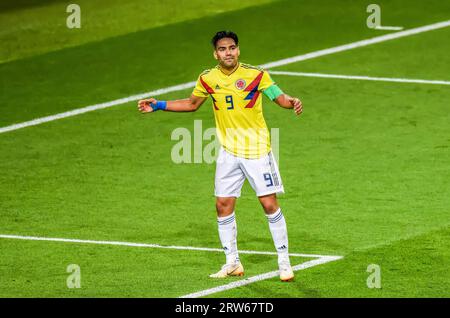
[
  {"x": 270, "y": 208},
  {"x": 270, "y": 205},
  {"x": 224, "y": 206}
]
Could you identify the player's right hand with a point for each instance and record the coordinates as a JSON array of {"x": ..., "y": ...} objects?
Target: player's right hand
[{"x": 144, "y": 105}]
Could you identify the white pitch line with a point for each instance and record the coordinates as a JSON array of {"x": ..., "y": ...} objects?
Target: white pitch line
[
  {"x": 350, "y": 46},
  {"x": 261, "y": 277},
  {"x": 364, "y": 78},
  {"x": 321, "y": 259},
  {"x": 86, "y": 109},
  {"x": 180, "y": 87},
  {"x": 192, "y": 248},
  {"x": 393, "y": 28}
]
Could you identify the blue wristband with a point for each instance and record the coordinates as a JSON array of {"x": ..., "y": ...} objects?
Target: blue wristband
[{"x": 161, "y": 104}]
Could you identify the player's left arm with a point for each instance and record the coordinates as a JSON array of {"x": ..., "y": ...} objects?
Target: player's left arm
[
  {"x": 274, "y": 93},
  {"x": 286, "y": 101}
]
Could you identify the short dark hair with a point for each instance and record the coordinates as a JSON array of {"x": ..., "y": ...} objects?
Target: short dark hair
[{"x": 224, "y": 34}]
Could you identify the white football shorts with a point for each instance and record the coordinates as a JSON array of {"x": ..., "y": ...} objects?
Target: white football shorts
[{"x": 231, "y": 172}]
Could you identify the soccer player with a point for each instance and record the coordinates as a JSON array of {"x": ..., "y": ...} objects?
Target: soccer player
[{"x": 235, "y": 89}]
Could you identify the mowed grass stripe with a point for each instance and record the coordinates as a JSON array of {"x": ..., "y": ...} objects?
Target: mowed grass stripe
[
  {"x": 287, "y": 61},
  {"x": 28, "y": 30},
  {"x": 111, "y": 69}
]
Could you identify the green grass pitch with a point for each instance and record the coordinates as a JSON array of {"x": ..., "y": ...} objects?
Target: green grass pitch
[{"x": 366, "y": 168}]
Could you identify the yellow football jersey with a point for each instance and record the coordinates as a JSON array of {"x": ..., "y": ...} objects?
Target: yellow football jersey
[{"x": 237, "y": 105}]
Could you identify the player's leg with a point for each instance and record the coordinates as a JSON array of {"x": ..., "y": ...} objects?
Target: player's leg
[
  {"x": 265, "y": 179},
  {"x": 228, "y": 183},
  {"x": 278, "y": 229},
  {"x": 226, "y": 222}
]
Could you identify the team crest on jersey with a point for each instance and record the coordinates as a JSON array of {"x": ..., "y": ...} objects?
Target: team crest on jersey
[{"x": 240, "y": 84}]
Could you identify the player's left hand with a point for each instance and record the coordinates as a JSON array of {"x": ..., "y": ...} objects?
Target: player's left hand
[{"x": 298, "y": 106}]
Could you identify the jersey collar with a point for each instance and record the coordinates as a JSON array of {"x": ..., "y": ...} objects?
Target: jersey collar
[{"x": 237, "y": 67}]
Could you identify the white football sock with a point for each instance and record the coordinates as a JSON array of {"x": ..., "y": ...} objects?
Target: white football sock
[
  {"x": 228, "y": 237},
  {"x": 277, "y": 225}
]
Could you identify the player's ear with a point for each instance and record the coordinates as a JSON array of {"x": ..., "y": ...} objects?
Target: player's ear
[
  {"x": 215, "y": 55},
  {"x": 238, "y": 51}
]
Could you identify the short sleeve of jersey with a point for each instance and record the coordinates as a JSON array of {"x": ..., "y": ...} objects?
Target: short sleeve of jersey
[
  {"x": 199, "y": 89},
  {"x": 266, "y": 81}
]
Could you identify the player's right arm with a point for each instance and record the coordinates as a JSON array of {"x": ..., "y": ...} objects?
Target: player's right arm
[{"x": 190, "y": 104}]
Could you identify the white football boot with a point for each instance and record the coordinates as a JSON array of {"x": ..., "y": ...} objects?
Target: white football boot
[
  {"x": 235, "y": 269},
  {"x": 286, "y": 273}
]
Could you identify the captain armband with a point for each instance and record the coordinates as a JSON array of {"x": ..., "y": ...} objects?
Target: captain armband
[{"x": 273, "y": 92}]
